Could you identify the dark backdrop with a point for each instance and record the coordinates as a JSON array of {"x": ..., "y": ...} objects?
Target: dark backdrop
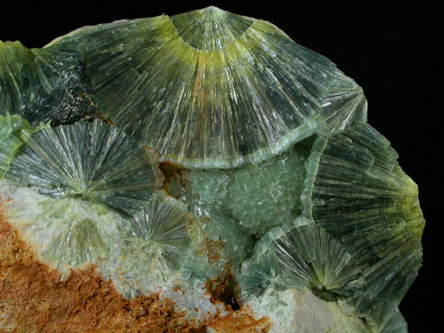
[{"x": 391, "y": 51}]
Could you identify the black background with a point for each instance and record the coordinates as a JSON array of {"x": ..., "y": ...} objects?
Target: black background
[{"x": 392, "y": 51}]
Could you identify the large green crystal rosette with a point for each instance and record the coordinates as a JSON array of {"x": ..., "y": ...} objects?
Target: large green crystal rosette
[{"x": 175, "y": 153}]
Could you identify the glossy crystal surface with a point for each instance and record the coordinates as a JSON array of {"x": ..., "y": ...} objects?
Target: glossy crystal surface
[{"x": 206, "y": 148}]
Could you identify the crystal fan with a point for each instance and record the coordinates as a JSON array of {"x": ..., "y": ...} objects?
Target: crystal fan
[{"x": 209, "y": 161}]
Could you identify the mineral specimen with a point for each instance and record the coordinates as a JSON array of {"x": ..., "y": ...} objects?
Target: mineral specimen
[{"x": 208, "y": 159}]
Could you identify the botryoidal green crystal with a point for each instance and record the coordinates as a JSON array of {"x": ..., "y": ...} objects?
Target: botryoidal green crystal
[{"x": 174, "y": 151}]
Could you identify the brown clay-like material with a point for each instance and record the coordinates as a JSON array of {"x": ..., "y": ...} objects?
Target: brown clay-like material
[{"x": 34, "y": 299}]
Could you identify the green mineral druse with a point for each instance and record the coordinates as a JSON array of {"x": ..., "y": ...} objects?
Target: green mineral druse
[{"x": 174, "y": 151}]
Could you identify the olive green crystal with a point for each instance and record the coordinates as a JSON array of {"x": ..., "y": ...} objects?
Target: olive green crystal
[{"x": 174, "y": 151}]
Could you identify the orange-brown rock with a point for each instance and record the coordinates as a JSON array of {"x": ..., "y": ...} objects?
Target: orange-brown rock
[{"x": 33, "y": 298}]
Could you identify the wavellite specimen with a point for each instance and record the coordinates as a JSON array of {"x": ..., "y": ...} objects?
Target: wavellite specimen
[{"x": 208, "y": 161}]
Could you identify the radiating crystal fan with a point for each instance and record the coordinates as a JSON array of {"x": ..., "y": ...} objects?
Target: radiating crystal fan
[{"x": 208, "y": 159}]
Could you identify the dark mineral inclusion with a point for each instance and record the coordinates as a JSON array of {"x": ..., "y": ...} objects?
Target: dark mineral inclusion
[{"x": 174, "y": 151}]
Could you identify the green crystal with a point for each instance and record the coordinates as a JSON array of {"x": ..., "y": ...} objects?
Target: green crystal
[
  {"x": 45, "y": 84},
  {"x": 208, "y": 146},
  {"x": 14, "y": 132},
  {"x": 92, "y": 161}
]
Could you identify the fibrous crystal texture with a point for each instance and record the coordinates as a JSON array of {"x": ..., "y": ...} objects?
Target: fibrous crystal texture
[{"x": 207, "y": 155}]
